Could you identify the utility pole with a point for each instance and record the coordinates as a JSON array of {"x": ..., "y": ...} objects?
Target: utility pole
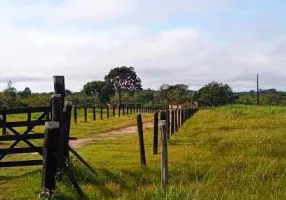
[{"x": 258, "y": 89}]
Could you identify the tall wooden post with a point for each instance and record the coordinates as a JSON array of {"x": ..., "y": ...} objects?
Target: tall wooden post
[
  {"x": 155, "y": 138},
  {"x": 75, "y": 114},
  {"x": 173, "y": 122},
  {"x": 66, "y": 133},
  {"x": 50, "y": 162},
  {"x": 113, "y": 111},
  {"x": 101, "y": 112},
  {"x": 85, "y": 114},
  {"x": 57, "y": 116},
  {"x": 141, "y": 139},
  {"x": 59, "y": 87},
  {"x": 94, "y": 112},
  {"x": 164, "y": 155},
  {"x": 107, "y": 112}
]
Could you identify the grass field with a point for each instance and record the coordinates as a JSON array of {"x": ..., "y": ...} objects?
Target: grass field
[{"x": 232, "y": 152}]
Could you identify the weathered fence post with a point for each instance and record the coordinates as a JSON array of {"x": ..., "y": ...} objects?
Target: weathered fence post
[
  {"x": 164, "y": 155},
  {"x": 75, "y": 114},
  {"x": 59, "y": 87},
  {"x": 50, "y": 161},
  {"x": 176, "y": 120},
  {"x": 123, "y": 110},
  {"x": 107, "y": 112},
  {"x": 155, "y": 139},
  {"x": 66, "y": 132},
  {"x": 179, "y": 118},
  {"x": 4, "y": 119},
  {"x": 94, "y": 112},
  {"x": 141, "y": 139},
  {"x": 173, "y": 122},
  {"x": 85, "y": 114},
  {"x": 57, "y": 116},
  {"x": 101, "y": 112},
  {"x": 113, "y": 111}
]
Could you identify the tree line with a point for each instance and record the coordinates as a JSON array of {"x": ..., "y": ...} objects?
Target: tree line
[{"x": 123, "y": 83}]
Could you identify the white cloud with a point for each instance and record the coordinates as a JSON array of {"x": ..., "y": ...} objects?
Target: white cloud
[{"x": 31, "y": 55}]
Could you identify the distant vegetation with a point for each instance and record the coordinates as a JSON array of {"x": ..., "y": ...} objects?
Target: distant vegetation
[{"x": 122, "y": 83}]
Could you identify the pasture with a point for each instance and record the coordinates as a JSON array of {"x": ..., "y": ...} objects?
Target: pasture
[{"x": 231, "y": 152}]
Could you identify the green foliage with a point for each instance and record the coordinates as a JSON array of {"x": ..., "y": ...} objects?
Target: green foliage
[
  {"x": 102, "y": 90},
  {"x": 25, "y": 93},
  {"x": 123, "y": 79},
  {"x": 216, "y": 94}
]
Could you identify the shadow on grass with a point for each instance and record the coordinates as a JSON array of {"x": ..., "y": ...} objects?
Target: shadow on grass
[{"x": 108, "y": 183}]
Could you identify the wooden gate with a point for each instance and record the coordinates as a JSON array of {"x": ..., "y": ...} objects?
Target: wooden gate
[{"x": 9, "y": 133}]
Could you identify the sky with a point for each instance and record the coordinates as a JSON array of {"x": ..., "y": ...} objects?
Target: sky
[{"x": 191, "y": 42}]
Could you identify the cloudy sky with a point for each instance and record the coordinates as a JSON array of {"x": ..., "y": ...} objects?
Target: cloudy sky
[{"x": 184, "y": 41}]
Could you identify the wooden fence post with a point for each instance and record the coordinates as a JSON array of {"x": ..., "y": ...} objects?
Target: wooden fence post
[
  {"x": 4, "y": 119},
  {"x": 101, "y": 112},
  {"x": 57, "y": 116},
  {"x": 168, "y": 122},
  {"x": 141, "y": 139},
  {"x": 85, "y": 114},
  {"x": 59, "y": 87},
  {"x": 164, "y": 155},
  {"x": 75, "y": 114},
  {"x": 50, "y": 162},
  {"x": 119, "y": 110},
  {"x": 155, "y": 139},
  {"x": 113, "y": 111},
  {"x": 107, "y": 112},
  {"x": 94, "y": 113},
  {"x": 123, "y": 110},
  {"x": 179, "y": 118},
  {"x": 173, "y": 122},
  {"x": 66, "y": 133},
  {"x": 176, "y": 120},
  {"x": 127, "y": 109}
]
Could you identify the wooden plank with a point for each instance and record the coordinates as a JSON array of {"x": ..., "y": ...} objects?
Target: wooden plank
[
  {"x": 22, "y": 123},
  {"x": 21, "y": 150},
  {"x": 22, "y": 137},
  {"x": 21, "y": 163},
  {"x": 25, "y": 110}
]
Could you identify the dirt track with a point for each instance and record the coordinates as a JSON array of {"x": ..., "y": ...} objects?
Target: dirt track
[{"x": 107, "y": 135}]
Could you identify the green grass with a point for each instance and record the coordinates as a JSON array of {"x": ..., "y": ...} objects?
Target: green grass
[{"x": 232, "y": 152}]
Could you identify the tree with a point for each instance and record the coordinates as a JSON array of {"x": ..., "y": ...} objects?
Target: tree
[
  {"x": 10, "y": 90},
  {"x": 123, "y": 79},
  {"x": 25, "y": 93},
  {"x": 216, "y": 94},
  {"x": 178, "y": 93},
  {"x": 101, "y": 89}
]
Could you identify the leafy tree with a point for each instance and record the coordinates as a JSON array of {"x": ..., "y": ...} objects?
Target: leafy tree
[
  {"x": 178, "y": 93},
  {"x": 10, "y": 90},
  {"x": 25, "y": 93},
  {"x": 123, "y": 79},
  {"x": 101, "y": 89},
  {"x": 216, "y": 94},
  {"x": 68, "y": 92}
]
